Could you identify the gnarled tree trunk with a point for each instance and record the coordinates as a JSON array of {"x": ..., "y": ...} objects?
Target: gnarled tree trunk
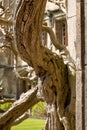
[{"x": 53, "y": 76}]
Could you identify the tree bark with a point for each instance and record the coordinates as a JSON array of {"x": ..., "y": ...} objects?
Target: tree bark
[
  {"x": 53, "y": 75},
  {"x": 54, "y": 85},
  {"x": 26, "y": 101}
]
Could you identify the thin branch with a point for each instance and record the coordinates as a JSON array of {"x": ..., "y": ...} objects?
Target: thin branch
[
  {"x": 53, "y": 37},
  {"x": 21, "y": 118},
  {"x": 4, "y": 12},
  {"x": 7, "y": 46},
  {"x": 30, "y": 80},
  {"x": 54, "y": 40},
  {"x": 2, "y": 7},
  {"x": 14, "y": 49},
  {"x": 21, "y": 77},
  {"x": 4, "y": 21}
]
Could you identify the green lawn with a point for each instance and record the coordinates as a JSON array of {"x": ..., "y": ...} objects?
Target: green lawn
[{"x": 30, "y": 124}]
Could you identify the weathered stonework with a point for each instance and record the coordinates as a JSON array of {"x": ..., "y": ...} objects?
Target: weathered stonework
[
  {"x": 79, "y": 106},
  {"x": 85, "y": 63},
  {"x": 81, "y": 80},
  {"x": 71, "y": 24}
]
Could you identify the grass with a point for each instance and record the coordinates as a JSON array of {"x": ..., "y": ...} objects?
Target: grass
[
  {"x": 5, "y": 106},
  {"x": 30, "y": 124}
]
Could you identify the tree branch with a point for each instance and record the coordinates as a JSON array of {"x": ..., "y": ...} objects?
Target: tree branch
[
  {"x": 6, "y": 22},
  {"x": 30, "y": 43},
  {"x": 24, "y": 78},
  {"x": 21, "y": 118},
  {"x": 5, "y": 11},
  {"x": 2, "y": 7},
  {"x": 54, "y": 40},
  {"x": 26, "y": 101}
]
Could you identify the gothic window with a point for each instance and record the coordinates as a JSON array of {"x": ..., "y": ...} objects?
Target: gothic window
[
  {"x": 58, "y": 31},
  {"x": 61, "y": 31}
]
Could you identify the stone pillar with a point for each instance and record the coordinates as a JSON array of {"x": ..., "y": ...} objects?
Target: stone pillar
[
  {"x": 81, "y": 67},
  {"x": 71, "y": 24},
  {"x": 85, "y": 63},
  {"x": 78, "y": 69}
]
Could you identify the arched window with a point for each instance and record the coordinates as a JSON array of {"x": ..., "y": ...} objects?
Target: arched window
[{"x": 61, "y": 31}]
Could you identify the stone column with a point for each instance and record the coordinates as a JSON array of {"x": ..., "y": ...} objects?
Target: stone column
[
  {"x": 71, "y": 25},
  {"x": 85, "y": 63},
  {"x": 78, "y": 69},
  {"x": 81, "y": 68}
]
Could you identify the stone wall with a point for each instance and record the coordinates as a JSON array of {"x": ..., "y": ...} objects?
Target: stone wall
[{"x": 7, "y": 77}]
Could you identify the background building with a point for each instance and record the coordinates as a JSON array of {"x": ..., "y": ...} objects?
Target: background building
[
  {"x": 69, "y": 26},
  {"x": 12, "y": 87},
  {"x": 62, "y": 20}
]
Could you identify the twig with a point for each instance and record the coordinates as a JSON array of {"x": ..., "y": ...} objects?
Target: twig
[{"x": 21, "y": 118}]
